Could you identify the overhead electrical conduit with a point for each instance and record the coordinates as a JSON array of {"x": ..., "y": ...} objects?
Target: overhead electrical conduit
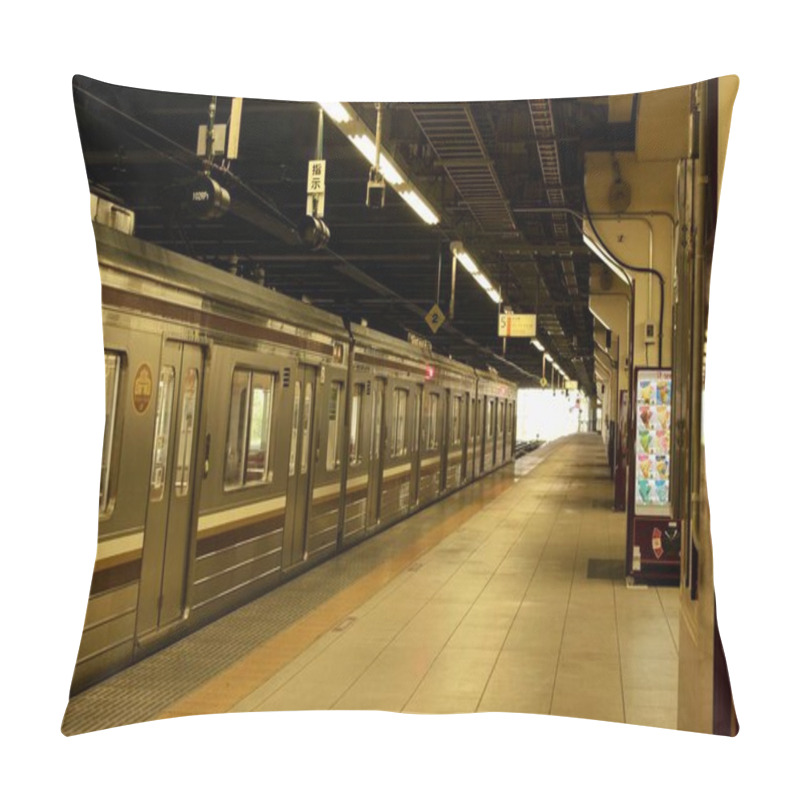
[
  {"x": 628, "y": 267},
  {"x": 639, "y": 217}
]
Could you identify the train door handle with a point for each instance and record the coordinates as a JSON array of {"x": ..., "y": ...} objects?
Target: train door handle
[{"x": 206, "y": 461}]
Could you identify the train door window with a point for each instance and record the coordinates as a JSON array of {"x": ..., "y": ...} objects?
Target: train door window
[
  {"x": 307, "y": 408},
  {"x": 472, "y": 422},
  {"x": 333, "y": 459},
  {"x": 295, "y": 427},
  {"x": 417, "y": 421},
  {"x": 490, "y": 419},
  {"x": 433, "y": 421},
  {"x": 377, "y": 414},
  {"x": 113, "y": 368},
  {"x": 158, "y": 472},
  {"x": 398, "y": 446},
  {"x": 186, "y": 438},
  {"x": 355, "y": 423},
  {"x": 261, "y": 394},
  {"x": 456, "y": 420},
  {"x": 249, "y": 426}
]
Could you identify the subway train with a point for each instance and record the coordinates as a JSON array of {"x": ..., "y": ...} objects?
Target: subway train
[{"x": 249, "y": 436}]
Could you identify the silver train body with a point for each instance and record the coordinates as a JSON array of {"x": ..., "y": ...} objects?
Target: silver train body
[{"x": 250, "y": 436}]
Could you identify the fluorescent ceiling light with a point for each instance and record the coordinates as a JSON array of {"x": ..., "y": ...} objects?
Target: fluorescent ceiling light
[
  {"x": 467, "y": 263},
  {"x": 367, "y": 148},
  {"x": 365, "y": 145},
  {"x": 483, "y": 281},
  {"x": 470, "y": 266},
  {"x": 416, "y": 202},
  {"x": 336, "y": 111},
  {"x": 548, "y": 356},
  {"x": 537, "y": 344},
  {"x": 389, "y": 172},
  {"x": 359, "y": 134},
  {"x": 599, "y": 318},
  {"x": 615, "y": 268}
]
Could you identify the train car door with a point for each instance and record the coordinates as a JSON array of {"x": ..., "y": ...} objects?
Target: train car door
[
  {"x": 466, "y": 427},
  {"x": 473, "y": 426},
  {"x": 172, "y": 490},
  {"x": 376, "y": 453},
  {"x": 484, "y": 433},
  {"x": 501, "y": 431},
  {"x": 301, "y": 465},
  {"x": 415, "y": 446},
  {"x": 444, "y": 445}
]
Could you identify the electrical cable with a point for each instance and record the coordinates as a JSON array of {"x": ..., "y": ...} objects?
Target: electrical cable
[
  {"x": 191, "y": 156},
  {"x": 631, "y": 268}
]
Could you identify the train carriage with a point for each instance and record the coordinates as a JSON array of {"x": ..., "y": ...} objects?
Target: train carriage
[
  {"x": 496, "y": 421},
  {"x": 249, "y": 436},
  {"x": 458, "y": 385},
  {"x": 386, "y": 386}
]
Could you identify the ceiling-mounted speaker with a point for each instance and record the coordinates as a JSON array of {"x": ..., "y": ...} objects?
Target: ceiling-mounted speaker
[
  {"x": 314, "y": 232},
  {"x": 206, "y": 199},
  {"x": 619, "y": 196}
]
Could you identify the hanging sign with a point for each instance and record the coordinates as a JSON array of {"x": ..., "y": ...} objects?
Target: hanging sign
[
  {"x": 435, "y": 318},
  {"x": 516, "y": 324},
  {"x": 315, "y": 205},
  {"x": 570, "y": 385}
]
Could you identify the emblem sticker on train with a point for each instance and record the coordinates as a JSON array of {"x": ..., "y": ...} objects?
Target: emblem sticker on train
[{"x": 142, "y": 388}]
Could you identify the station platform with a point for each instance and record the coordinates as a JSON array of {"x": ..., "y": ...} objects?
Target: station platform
[{"x": 509, "y": 595}]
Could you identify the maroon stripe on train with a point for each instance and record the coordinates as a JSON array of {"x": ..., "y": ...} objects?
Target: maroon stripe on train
[
  {"x": 363, "y": 358},
  {"x": 105, "y": 580},
  {"x": 220, "y": 541},
  {"x": 192, "y": 316}
]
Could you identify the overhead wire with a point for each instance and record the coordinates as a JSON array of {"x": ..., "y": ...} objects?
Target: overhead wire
[
  {"x": 191, "y": 157},
  {"x": 190, "y": 164}
]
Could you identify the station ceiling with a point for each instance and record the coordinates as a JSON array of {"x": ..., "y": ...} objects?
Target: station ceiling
[{"x": 505, "y": 179}]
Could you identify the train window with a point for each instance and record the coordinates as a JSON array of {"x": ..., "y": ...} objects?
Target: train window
[
  {"x": 417, "y": 420},
  {"x": 186, "y": 439},
  {"x": 295, "y": 427},
  {"x": 334, "y": 415},
  {"x": 113, "y": 364},
  {"x": 308, "y": 398},
  {"x": 166, "y": 389},
  {"x": 471, "y": 422},
  {"x": 456, "y": 420},
  {"x": 432, "y": 419},
  {"x": 377, "y": 420},
  {"x": 249, "y": 426},
  {"x": 398, "y": 445},
  {"x": 355, "y": 423}
]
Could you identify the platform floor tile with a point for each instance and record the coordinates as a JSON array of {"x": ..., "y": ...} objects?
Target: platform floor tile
[{"x": 517, "y": 607}]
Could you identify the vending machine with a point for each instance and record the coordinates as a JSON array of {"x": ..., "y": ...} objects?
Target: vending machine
[{"x": 653, "y": 545}]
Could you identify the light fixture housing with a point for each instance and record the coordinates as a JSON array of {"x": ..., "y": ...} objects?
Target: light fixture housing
[
  {"x": 336, "y": 111},
  {"x": 363, "y": 139},
  {"x": 466, "y": 261},
  {"x": 606, "y": 259}
]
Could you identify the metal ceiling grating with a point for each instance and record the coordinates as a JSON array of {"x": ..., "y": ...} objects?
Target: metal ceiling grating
[{"x": 453, "y": 134}]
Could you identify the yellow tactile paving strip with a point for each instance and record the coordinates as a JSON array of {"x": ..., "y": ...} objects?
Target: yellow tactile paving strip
[{"x": 235, "y": 683}]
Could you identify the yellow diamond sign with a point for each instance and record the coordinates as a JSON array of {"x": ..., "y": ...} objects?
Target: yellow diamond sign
[{"x": 435, "y": 317}]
